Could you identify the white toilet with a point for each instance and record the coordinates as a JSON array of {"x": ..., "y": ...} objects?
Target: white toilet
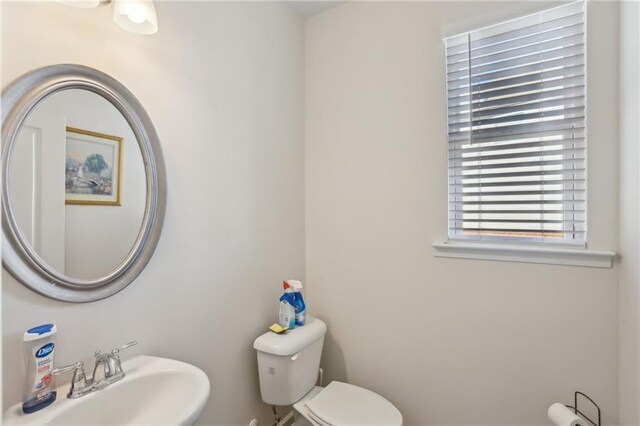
[{"x": 288, "y": 366}]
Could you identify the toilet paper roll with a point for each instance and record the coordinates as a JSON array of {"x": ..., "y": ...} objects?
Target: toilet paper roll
[{"x": 561, "y": 415}]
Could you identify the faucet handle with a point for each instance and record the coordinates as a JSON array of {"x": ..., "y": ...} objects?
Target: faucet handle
[
  {"x": 115, "y": 351},
  {"x": 79, "y": 380},
  {"x": 72, "y": 367}
]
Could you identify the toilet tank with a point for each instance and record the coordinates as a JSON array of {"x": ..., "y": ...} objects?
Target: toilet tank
[{"x": 288, "y": 363}]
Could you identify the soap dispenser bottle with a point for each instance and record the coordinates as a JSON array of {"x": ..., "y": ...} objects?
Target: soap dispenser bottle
[{"x": 39, "y": 347}]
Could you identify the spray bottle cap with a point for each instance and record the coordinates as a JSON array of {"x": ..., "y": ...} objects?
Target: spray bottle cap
[
  {"x": 287, "y": 287},
  {"x": 297, "y": 285}
]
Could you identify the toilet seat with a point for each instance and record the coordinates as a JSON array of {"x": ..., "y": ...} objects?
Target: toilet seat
[{"x": 344, "y": 404}]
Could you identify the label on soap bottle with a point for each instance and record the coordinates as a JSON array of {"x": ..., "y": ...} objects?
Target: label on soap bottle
[{"x": 43, "y": 359}]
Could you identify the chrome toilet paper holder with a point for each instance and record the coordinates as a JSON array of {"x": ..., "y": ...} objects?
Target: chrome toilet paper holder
[{"x": 577, "y": 411}]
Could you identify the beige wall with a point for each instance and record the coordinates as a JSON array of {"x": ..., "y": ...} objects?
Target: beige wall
[
  {"x": 450, "y": 342},
  {"x": 223, "y": 84},
  {"x": 629, "y": 271}
]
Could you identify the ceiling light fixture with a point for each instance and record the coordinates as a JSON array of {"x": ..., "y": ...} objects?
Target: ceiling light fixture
[{"x": 136, "y": 16}]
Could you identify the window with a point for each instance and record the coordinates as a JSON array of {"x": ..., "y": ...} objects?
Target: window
[{"x": 516, "y": 129}]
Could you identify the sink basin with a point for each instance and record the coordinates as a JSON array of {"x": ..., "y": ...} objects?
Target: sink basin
[{"x": 155, "y": 391}]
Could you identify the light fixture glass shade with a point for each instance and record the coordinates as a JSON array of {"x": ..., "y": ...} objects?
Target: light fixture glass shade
[{"x": 137, "y": 16}]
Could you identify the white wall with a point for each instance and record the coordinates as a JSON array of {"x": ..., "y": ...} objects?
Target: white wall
[
  {"x": 450, "y": 342},
  {"x": 629, "y": 270},
  {"x": 223, "y": 84}
]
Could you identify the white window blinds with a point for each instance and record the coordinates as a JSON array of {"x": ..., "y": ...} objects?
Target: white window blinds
[{"x": 516, "y": 121}]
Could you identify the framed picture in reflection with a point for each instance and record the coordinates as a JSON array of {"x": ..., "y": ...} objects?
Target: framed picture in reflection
[{"x": 93, "y": 168}]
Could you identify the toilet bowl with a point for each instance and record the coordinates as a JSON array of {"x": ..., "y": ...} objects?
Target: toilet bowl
[
  {"x": 345, "y": 404},
  {"x": 288, "y": 370}
]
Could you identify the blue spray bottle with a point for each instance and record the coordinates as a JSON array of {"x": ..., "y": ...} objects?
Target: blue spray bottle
[
  {"x": 298, "y": 302},
  {"x": 287, "y": 316}
]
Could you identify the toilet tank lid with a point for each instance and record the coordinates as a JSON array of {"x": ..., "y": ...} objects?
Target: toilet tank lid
[{"x": 292, "y": 341}]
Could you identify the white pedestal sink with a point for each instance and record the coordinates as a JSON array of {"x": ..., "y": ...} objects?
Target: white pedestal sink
[{"x": 155, "y": 391}]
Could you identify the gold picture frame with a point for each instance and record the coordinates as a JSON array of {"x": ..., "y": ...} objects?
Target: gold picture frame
[{"x": 98, "y": 183}]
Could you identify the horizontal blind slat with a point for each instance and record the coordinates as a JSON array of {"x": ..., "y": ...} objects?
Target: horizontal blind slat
[
  {"x": 516, "y": 119},
  {"x": 519, "y": 230},
  {"x": 518, "y": 129},
  {"x": 521, "y": 202},
  {"x": 569, "y": 27},
  {"x": 545, "y": 47},
  {"x": 458, "y": 44},
  {"x": 524, "y": 99},
  {"x": 575, "y": 143},
  {"x": 516, "y": 212},
  {"x": 504, "y": 90},
  {"x": 514, "y": 222},
  {"x": 564, "y": 134},
  {"x": 498, "y": 74},
  {"x": 517, "y": 183},
  {"x": 538, "y": 173},
  {"x": 521, "y": 164},
  {"x": 538, "y": 59},
  {"x": 566, "y": 102},
  {"x": 531, "y": 154},
  {"x": 538, "y": 87},
  {"x": 463, "y": 88},
  {"x": 518, "y": 193},
  {"x": 528, "y": 23}
]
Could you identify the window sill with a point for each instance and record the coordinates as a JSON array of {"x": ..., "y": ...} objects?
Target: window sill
[{"x": 526, "y": 254}]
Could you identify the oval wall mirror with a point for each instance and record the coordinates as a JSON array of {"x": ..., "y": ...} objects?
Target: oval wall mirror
[{"x": 83, "y": 183}]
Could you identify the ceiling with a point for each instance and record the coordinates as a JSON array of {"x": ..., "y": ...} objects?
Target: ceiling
[{"x": 307, "y": 8}]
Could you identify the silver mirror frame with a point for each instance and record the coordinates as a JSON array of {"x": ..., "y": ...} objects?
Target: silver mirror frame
[{"x": 18, "y": 257}]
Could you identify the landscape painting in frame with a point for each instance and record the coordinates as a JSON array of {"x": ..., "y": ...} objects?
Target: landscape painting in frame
[{"x": 92, "y": 168}]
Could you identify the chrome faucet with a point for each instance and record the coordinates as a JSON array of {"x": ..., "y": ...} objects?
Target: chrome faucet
[
  {"x": 111, "y": 366},
  {"x": 108, "y": 363}
]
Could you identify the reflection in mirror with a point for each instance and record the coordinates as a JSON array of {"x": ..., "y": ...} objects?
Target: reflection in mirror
[{"x": 78, "y": 186}]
